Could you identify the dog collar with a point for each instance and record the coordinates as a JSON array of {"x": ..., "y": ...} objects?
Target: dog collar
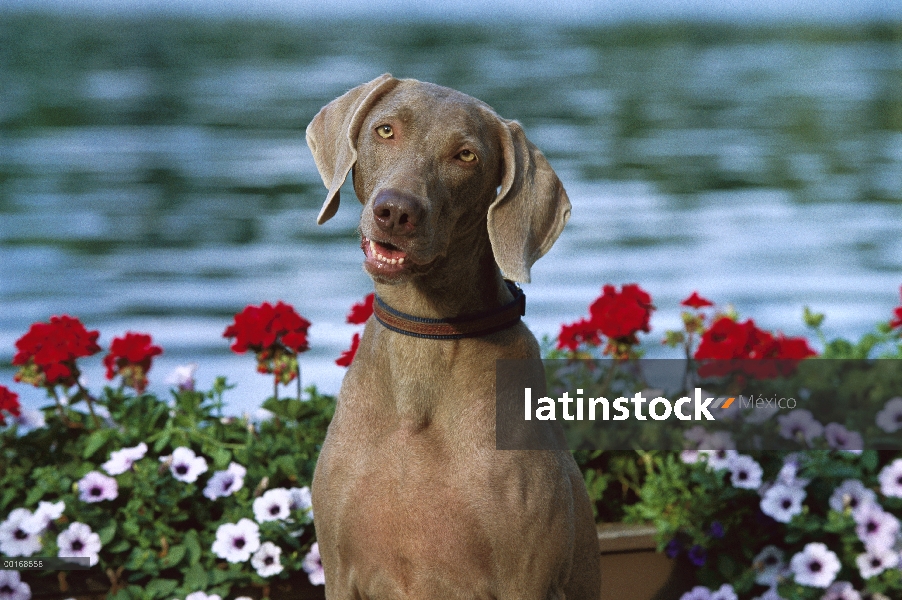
[{"x": 455, "y": 328}]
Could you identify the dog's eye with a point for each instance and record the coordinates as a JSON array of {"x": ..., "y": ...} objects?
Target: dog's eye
[
  {"x": 385, "y": 131},
  {"x": 467, "y": 156}
]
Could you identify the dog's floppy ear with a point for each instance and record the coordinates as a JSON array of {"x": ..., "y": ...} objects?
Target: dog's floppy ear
[
  {"x": 531, "y": 208},
  {"x": 332, "y": 136}
]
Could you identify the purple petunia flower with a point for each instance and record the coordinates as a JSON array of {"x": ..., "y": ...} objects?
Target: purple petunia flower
[
  {"x": 301, "y": 500},
  {"x": 851, "y": 494},
  {"x": 815, "y": 566},
  {"x": 202, "y": 596},
  {"x": 800, "y": 424},
  {"x": 840, "y": 438},
  {"x": 673, "y": 548},
  {"x": 719, "y": 448},
  {"x": 225, "y": 483},
  {"x": 841, "y": 590},
  {"x": 769, "y": 565},
  {"x": 890, "y": 418},
  {"x": 97, "y": 487},
  {"x": 313, "y": 565},
  {"x": 716, "y": 530},
  {"x": 698, "y": 555},
  {"x": 891, "y": 479}
]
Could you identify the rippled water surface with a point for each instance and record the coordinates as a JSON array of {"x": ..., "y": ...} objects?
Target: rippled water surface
[{"x": 154, "y": 175}]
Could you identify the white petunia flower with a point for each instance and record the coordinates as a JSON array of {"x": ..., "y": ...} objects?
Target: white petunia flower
[
  {"x": 122, "y": 460},
  {"x": 185, "y": 465},
  {"x": 876, "y": 561},
  {"x": 770, "y": 594},
  {"x": 235, "y": 542},
  {"x": 97, "y": 487},
  {"x": 267, "y": 560},
  {"x": 890, "y": 418},
  {"x": 46, "y": 513},
  {"x": 78, "y": 541},
  {"x": 745, "y": 472},
  {"x": 841, "y": 590},
  {"x": 29, "y": 419},
  {"x": 301, "y": 500},
  {"x": 12, "y": 587},
  {"x": 183, "y": 377},
  {"x": 313, "y": 565},
  {"x": 273, "y": 505},
  {"x": 202, "y": 596},
  {"x": 875, "y": 527},
  {"x": 699, "y": 592},
  {"x": 769, "y": 565},
  {"x": 782, "y": 502},
  {"x": 15, "y": 540},
  {"x": 719, "y": 448},
  {"x": 724, "y": 592},
  {"x": 840, "y": 438},
  {"x": 225, "y": 483},
  {"x": 891, "y": 479},
  {"x": 800, "y": 425},
  {"x": 815, "y": 565},
  {"x": 851, "y": 494}
]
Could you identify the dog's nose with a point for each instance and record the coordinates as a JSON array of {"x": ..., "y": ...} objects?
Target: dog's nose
[{"x": 397, "y": 213}]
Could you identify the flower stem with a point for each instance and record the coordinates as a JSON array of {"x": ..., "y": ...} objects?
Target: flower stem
[{"x": 299, "y": 380}]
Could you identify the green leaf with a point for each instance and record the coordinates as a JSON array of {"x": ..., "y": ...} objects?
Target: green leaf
[
  {"x": 196, "y": 577},
  {"x": 221, "y": 458},
  {"x": 106, "y": 534},
  {"x": 159, "y": 588},
  {"x": 192, "y": 544},
  {"x": 95, "y": 442},
  {"x": 174, "y": 556},
  {"x": 162, "y": 440}
]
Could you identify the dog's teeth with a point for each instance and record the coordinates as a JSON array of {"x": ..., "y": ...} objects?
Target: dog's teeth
[
  {"x": 401, "y": 261},
  {"x": 393, "y": 262}
]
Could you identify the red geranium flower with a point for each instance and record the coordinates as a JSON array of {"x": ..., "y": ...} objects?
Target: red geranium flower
[
  {"x": 9, "y": 402},
  {"x": 47, "y": 353},
  {"x": 582, "y": 331},
  {"x": 361, "y": 311},
  {"x": 622, "y": 314},
  {"x": 897, "y": 321},
  {"x": 695, "y": 301},
  {"x": 348, "y": 355},
  {"x": 130, "y": 356},
  {"x": 726, "y": 339},
  {"x": 275, "y": 333}
]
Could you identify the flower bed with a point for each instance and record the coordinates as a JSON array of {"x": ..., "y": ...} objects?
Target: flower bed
[{"x": 168, "y": 497}]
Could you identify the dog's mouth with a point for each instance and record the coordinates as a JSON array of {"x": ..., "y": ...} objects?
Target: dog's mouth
[{"x": 384, "y": 258}]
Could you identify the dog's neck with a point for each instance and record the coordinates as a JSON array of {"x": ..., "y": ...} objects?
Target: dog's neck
[{"x": 439, "y": 294}]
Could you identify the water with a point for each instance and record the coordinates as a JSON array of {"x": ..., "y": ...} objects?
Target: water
[{"x": 154, "y": 175}]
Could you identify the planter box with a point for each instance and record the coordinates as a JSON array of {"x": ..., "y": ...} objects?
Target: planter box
[{"x": 631, "y": 569}]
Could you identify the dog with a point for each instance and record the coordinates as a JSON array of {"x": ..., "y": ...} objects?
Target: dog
[{"x": 412, "y": 498}]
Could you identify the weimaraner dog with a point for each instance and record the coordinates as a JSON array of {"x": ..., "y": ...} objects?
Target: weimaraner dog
[{"x": 412, "y": 499}]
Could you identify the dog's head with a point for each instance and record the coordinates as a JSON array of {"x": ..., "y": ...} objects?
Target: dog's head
[{"x": 431, "y": 165}]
